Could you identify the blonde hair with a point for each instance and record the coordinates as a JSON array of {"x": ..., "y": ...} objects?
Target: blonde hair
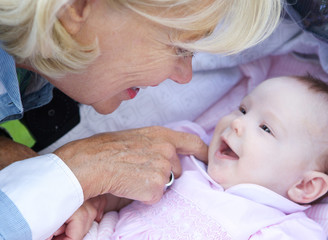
[{"x": 31, "y": 32}]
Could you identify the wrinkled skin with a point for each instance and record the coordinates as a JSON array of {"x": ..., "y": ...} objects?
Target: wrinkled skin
[{"x": 135, "y": 164}]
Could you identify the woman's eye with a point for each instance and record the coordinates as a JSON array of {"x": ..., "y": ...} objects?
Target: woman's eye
[
  {"x": 242, "y": 110},
  {"x": 265, "y": 128},
  {"x": 181, "y": 52}
]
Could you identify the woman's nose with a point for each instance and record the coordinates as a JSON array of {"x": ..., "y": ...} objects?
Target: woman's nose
[
  {"x": 182, "y": 71},
  {"x": 237, "y": 126}
]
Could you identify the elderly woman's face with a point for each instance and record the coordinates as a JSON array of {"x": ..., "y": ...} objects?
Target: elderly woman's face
[{"x": 132, "y": 54}]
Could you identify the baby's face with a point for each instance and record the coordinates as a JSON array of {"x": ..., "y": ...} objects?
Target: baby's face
[{"x": 271, "y": 140}]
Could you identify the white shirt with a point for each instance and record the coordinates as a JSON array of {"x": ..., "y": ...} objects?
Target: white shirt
[{"x": 41, "y": 188}]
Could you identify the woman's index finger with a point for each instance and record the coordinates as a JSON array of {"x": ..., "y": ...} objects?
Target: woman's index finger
[{"x": 189, "y": 144}]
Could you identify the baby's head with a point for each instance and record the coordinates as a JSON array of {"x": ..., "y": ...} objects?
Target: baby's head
[{"x": 277, "y": 138}]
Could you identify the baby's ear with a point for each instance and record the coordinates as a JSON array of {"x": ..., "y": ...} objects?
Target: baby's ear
[{"x": 313, "y": 185}]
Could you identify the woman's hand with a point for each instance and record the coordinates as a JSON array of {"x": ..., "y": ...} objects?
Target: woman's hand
[{"x": 134, "y": 164}]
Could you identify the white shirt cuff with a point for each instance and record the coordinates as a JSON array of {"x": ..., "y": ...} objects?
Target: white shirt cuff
[{"x": 45, "y": 191}]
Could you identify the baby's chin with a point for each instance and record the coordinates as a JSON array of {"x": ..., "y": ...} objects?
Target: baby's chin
[{"x": 213, "y": 173}]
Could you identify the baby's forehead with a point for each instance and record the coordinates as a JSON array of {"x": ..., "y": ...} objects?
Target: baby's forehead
[
  {"x": 282, "y": 82},
  {"x": 293, "y": 101},
  {"x": 292, "y": 87},
  {"x": 284, "y": 90}
]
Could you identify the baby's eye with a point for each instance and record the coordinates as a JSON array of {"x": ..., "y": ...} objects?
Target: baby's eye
[
  {"x": 181, "y": 52},
  {"x": 265, "y": 128},
  {"x": 242, "y": 110}
]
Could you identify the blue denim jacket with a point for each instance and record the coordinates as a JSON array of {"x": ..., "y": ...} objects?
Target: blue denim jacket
[
  {"x": 13, "y": 100},
  {"x": 17, "y": 96}
]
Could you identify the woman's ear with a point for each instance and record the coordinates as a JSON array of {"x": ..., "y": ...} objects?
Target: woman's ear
[
  {"x": 313, "y": 185},
  {"x": 73, "y": 16}
]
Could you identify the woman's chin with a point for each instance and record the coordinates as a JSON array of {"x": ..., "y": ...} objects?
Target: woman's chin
[{"x": 106, "y": 108}]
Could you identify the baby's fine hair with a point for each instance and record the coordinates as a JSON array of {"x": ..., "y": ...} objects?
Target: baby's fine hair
[
  {"x": 31, "y": 31},
  {"x": 314, "y": 83}
]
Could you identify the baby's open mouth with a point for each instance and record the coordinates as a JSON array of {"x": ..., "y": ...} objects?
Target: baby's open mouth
[{"x": 226, "y": 151}]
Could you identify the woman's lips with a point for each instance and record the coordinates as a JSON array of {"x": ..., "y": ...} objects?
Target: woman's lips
[{"x": 133, "y": 92}]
